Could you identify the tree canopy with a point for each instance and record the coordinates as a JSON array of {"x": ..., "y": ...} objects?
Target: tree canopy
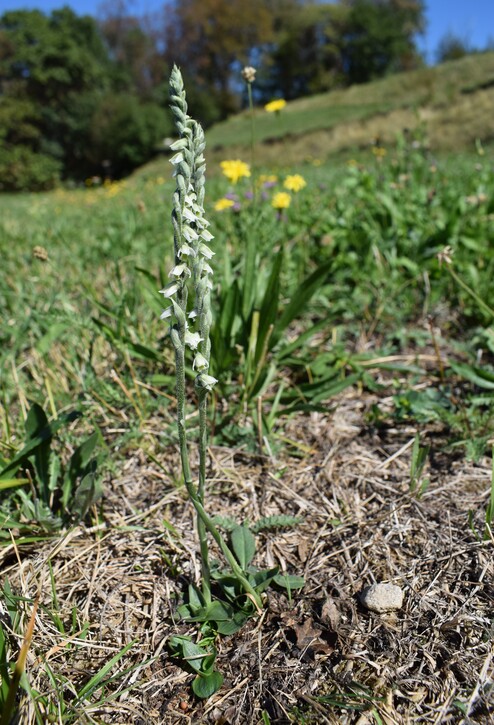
[{"x": 80, "y": 96}]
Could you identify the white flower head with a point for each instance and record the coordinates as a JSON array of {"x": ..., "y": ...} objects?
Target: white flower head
[
  {"x": 200, "y": 363},
  {"x": 189, "y": 234},
  {"x": 206, "y": 235},
  {"x": 192, "y": 339},
  {"x": 206, "y": 251},
  {"x": 205, "y": 381},
  {"x": 169, "y": 290},
  {"x": 186, "y": 251},
  {"x": 179, "y": 270}
]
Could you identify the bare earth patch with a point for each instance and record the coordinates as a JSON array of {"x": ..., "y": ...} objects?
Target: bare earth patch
[{"x": 319, "y": 657}]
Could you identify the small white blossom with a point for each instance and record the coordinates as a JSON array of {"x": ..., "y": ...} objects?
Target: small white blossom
[
  {"x": 206, "y": 251},
  {"x": 179, "y": 144},
  {"x": 166, "y": 313},
  {"x": 189, "y": 215},
  {"x": 186, "y": 251},
  {"x": 192, "y": 339},
  {"x": 169, "y": 290},
  {"x": 190, "y": 234},
  {"x": 205, "y": 381},
  {"x": 179, "y": 270},
  {"x": 200, "y": 363},
  {"x": 177, "y": 158},
  {"x": 206, "y": 235}
]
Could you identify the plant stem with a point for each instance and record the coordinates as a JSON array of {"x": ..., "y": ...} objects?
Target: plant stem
[
  {"x": 201, "y": 528},
  {"x": 208, "y": 524},
  {"x": 252, "y": 125}
]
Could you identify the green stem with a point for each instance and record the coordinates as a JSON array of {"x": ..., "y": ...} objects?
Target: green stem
[
  {"x": 184, "y": 456},
  {"x": 237, "y": 571},
  {"x": 201, "y": 528},
  {"x": 252, "y": 125},
  {"x": 470, "y": 291}
]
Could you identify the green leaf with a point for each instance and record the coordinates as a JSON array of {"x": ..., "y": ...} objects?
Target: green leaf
[
  {"x": 300, "y": 299},
  {"x": 39, "y": 435},
  {"x": 478, "y": 376},
  {"x": 289, "y": 581},
  {"x": 269, "y": 307},
  {"x": 81, "y": 457},
  {"x": 195, "y": 656},
  {"x": 98, "y": 679},
  {"x": 13, "y": 483},
  {"x": 243, "y": 544},
  {"x": 249, "y": 275},
  {"x": 275, "y": 522},
  {"x": 87, "y": 493},
  {"x": 262, "y": 579},
  {"x": 204, "y": 686}
]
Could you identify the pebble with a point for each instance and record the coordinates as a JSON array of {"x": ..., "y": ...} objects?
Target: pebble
[{"x": 382, "y": 597}]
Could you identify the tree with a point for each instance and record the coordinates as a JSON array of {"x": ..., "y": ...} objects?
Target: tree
[
  {"x": 207, "y": 39},
  {"x": 62, "y": 92},
  {"x": 305, "y": 57},
  {"x": 379, "y": 37},
  {"x": 452, "y": 47}
]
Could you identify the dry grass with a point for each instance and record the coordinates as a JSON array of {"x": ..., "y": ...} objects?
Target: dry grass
[{"x": 361, "y": 525}]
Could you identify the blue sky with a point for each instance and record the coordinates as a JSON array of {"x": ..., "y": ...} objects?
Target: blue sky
[{"x": 471, "y": 20}]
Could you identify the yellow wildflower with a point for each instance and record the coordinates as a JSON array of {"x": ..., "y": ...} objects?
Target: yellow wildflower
[
  {"x": 234, "y": 170},
  {"x": 275, "y": 106},
  {"x": 379, "y": 152},
  {"x": 223, "y": 204},
  {"x": 294, "y": 182},
  {"x": 281, "y": 200}
]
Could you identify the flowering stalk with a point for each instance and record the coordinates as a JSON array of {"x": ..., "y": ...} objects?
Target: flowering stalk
[{"x": 192, "y": 255}]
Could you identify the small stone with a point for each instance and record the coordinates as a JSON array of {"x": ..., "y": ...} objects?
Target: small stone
[{"x": 382, "y": 597}]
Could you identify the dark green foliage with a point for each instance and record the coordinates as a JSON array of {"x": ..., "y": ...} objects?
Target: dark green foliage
[
  {"x": 230, "y": 610},
  {"x": 126, "y": 132},
  {"x": 378, "y": 38},
  {"x": 59, "y": 493},
  {"x": 63, "y": 112},
  {"x": 21, "y": 168}
]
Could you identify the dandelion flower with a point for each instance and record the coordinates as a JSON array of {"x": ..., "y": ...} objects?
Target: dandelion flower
[
  {"x": 235, "y": 169},
  {"x": 294, "y": 183},
  {"x": 223, "y": 204},
  {"x": 281, "y": 200},
  {"x": 275, "y": 106}
]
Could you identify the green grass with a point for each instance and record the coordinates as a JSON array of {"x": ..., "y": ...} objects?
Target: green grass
[
  {"x": 456, "y": 99},
  {"x": 307, "y": 302}
]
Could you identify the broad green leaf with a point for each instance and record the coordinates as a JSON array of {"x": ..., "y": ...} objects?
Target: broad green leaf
[
  {"x": 478, "y": 376},
  {"x": 289, "y": 581},
  {"x": 300, "y": 298},
  {"x": 45, "y": 433},
  {"x": 269, "y": 306},
  {"x": 87, "y": 493},
  {"x": 244, "y": 545},
  {"x": 204, "y": 686},
  {"x": 262, "y": 579},
  {"x": 81, "y": 457}
]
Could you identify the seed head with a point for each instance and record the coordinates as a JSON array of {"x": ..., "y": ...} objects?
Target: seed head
[{"x": 249, "y": 74}]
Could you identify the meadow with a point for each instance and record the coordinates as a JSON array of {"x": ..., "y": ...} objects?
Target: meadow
[{"x": 353, "y": 344}]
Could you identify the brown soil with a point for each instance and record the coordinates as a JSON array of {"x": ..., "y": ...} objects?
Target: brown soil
[{"x": 320, "y": 657}]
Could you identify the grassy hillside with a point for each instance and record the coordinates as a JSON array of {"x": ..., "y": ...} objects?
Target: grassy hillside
[{"x": 454, "y": 102}]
